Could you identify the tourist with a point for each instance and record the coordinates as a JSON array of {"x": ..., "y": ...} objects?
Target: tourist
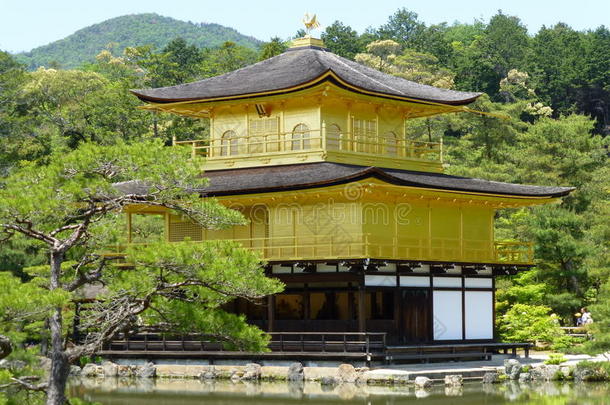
[{"x": 586, "y": 317}]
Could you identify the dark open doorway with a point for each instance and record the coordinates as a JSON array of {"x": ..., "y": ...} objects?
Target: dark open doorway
[{"x": 415, "y": 315}]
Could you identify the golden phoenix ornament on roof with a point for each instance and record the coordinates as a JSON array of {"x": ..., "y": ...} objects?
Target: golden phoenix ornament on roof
[{"x": 311, "y": 22}]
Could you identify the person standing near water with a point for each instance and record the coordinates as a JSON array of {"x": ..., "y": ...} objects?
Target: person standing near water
[{"x": 586, "y": 318}]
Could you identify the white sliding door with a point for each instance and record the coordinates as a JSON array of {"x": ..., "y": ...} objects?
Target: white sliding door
[
  {"x": 447, "y": 315},
  {"x": 479, "y": 314}
]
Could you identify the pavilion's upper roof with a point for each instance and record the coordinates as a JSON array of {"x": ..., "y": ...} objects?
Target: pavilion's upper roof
[
  {"x": 323, "y": 174},
  {"x": 299, "y": 68}
]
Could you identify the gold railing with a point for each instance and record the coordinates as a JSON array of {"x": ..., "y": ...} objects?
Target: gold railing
[
  {"x": 514, "y": 252},
  {"x": 280, "y": 143},
  {"x": 360, "y": 246}
]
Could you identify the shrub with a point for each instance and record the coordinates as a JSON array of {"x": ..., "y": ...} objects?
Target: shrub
[
  {"x": 593, "y": 370},
  {"x": 555, "y": 358},
  {"x": 529, "y": 323},
  {"x": 566, "y": 344},
  {"x": 84, "y": 360}
]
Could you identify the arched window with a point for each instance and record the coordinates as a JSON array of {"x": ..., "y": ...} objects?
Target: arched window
[
  {"x": 391, "y": 143},
  {"x": 300, "y": 137},
  {"x": 229, "y": 145},
  {"x": 333, "y": 137}
]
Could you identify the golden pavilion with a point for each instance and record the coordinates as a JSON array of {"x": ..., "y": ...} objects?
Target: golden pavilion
[{"x": 346, "y": 207}]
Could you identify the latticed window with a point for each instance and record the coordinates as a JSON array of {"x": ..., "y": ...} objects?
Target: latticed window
[
  {"x": 391, "y": 143},
  {"x": 364, "y": 135},
  {"x": 181, "y": 229},
  {"x": 229, "y": 144},
  {"x": 300, "y": 137},
  {"x": 263, "y": 135},
  {"x": 334, "y": 137}
]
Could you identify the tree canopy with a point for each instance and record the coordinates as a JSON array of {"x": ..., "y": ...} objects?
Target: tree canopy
[{"x": 71, "y": 207}]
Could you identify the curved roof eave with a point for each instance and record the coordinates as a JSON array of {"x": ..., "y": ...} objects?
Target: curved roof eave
[
  {"x": 294, "y": 70},
  {"x": 329, "y": 75},
  {"x": 351, "y": 173}
]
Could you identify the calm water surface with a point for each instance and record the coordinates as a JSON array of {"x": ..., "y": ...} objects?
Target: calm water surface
[{"x": 191, "y": 392}]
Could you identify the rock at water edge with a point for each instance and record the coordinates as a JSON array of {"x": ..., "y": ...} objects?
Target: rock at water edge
[
  {"x": 252, "y": 372},
  {"x": 329, "y": 381},
  {"x": 491, "y": 378},
  {"x": 422, "y": 382},
  {"x": 512, "y": 368},
  {"x": 454, "y": 380},
  {"x": 148, "y": 370},
  {"x": 91, "y": 370},
  {"x": 110, "y": 369},
  {"x": 346, "y": 373},
  {"x": 295, "y": 372},
  {"x": 74, "y": 370}
]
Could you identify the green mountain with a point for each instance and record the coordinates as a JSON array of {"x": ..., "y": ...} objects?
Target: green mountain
[{"x": 125, "y": 31}]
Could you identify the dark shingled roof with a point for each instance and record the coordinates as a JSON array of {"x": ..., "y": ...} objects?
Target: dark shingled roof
[
  {"x": 299, "y": 66},
  {"x": 312, "y": 175}
]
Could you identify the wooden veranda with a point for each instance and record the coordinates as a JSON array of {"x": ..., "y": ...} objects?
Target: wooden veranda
[{"x": 366, "y": 347}]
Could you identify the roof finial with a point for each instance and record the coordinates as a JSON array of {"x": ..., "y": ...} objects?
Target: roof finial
[{"x": 311, "y": 23}]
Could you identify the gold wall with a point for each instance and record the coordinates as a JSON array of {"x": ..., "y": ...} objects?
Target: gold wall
[
  {"x": 318, "y": 126},
  {"x": 343, "y": 223}
]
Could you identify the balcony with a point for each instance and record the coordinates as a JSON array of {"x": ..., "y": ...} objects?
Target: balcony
[
  {"x": 316, "y": 145},
  {"x": 369, "y": 246}
]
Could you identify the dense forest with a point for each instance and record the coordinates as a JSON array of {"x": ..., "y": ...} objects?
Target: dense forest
[
  {"x": 125, "y": 31},
  {"x": 553, "y": 87}
]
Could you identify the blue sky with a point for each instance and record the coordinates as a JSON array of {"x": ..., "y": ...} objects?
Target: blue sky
[{"x": 25, "y": 24}]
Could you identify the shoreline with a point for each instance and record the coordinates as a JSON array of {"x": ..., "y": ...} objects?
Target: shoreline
[{"x": 499, "y": 369}]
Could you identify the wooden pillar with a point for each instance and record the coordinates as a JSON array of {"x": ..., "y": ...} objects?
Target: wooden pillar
[
  {"x": 351, "y": 308},
  {"x": 270, "y": 313},
  {"x": 361, "y": 309},
  {"x": 306, "y": 299},
  {"x": 167, "y": 226},
  {"x": 493, "y": 311},
  {"x": 398, "y": 328},
  {"x": 129, "y": 230}
]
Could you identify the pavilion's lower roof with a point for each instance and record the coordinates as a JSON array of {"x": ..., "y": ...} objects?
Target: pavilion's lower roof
[{"x": 323, "y": 174}]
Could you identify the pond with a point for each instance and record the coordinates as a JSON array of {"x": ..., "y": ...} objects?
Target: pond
[{"x": 191, "y": 392}]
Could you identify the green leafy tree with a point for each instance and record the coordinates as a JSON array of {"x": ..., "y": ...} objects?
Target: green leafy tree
[
  {"x": 529, "y": 323},
  {"x": 570, "y": 237},
  {"x": 558, "y": 65},
  {"x": 186, "y": 58},
  {"x": 70, "y": 205},
  {"x": 435, "y": 42},
  {"x": 177, "y": 63},
  {"x": 227, "y": 58},
  {"x": 21, "y": 306},
  {"x": 464, "y": 33},
  {"x": 507, "y": 43},
  {"x": 15, "y": 142},
  {"x": 342, "y": 40},
  {"x": 272, "y": 48},
  {"x": 68, "y": 107},
  {"x": 380, "y": 55},
  {"x": 403, "y": 27},
  {"x": 598, "y": 63},
  {"x": 422, "y": 68},
  {"x": 601, "y": 322},
  {"x": 474, "y": 69},
  {"x": 482, "y": 55}
]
